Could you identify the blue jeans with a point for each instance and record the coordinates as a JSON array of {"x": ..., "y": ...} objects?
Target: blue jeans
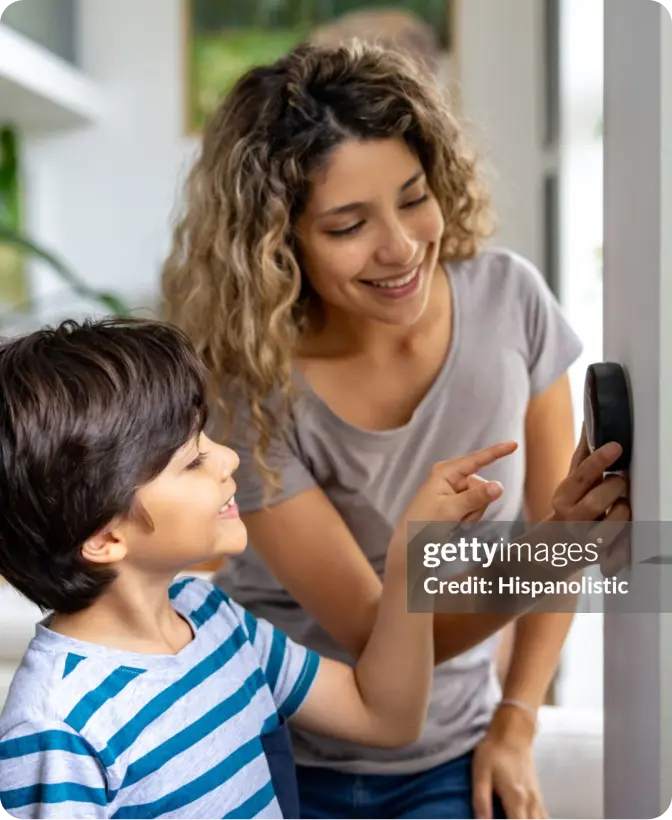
[{"x": 443, "y": 792}]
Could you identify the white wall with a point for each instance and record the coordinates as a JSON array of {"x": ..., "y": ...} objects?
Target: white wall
[
  {"x": 638, "y": 334},
  {"x": 499, "y": 70},
  {"x": 102, "y": 197}
]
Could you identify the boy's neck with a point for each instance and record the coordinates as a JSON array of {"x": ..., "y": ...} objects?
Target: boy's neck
[{"x": 134, "y": 614}]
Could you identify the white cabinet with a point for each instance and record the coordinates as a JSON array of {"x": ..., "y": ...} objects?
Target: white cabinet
[{"x": 39, "y": 92}]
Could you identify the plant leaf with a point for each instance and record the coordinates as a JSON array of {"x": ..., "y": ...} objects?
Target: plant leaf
[{"x": 22, "y": 243}]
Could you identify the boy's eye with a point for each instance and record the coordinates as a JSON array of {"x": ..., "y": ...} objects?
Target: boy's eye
[{"x": 197, "y": 462}]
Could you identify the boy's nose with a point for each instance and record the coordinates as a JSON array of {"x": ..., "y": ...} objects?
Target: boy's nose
[{"x": 230, "y": 462}]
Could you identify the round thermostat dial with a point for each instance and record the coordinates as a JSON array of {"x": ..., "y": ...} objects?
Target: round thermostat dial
[{"x": 607, "y": 410}]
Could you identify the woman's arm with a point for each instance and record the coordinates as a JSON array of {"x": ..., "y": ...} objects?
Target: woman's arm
[
  {"x": 538, "y": 640},
  {"x": 326, "y": 572},
  {"x": 503, "y": 761},
  {"x": 550, "y": 439}
]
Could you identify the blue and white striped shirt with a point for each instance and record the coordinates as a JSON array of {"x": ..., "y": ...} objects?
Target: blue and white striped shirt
[{"x": 93, "y": 732}]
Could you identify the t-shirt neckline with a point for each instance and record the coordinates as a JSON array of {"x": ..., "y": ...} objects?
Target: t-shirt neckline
[{"x": 46, "y": 640}]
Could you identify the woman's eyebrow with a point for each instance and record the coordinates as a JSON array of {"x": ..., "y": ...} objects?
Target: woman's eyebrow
[{"x": 353, "y": 206}]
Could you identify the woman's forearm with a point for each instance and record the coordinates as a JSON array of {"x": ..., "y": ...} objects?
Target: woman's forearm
[
  {"x": 543, "y": 617},
  {"x": 455, "y": 633},
  {"x": 536, "y": 652}
]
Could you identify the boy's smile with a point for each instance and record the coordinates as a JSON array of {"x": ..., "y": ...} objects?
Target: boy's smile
[
  {"x": 192, "y": 508},
  {"x": 229, "y": 509}
]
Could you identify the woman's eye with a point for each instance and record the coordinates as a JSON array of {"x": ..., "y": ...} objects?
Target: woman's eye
[
  {"x": 346, "y": 231},
  {"x": 415, "y": 202},
  {"x": 354, "y": 228}
]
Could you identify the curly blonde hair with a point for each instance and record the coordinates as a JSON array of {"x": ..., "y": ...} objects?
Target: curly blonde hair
[{"x": 232, "y": 280}]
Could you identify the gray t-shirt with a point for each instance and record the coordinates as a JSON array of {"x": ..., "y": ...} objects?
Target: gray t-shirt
[{"x": 510, "y": 342}]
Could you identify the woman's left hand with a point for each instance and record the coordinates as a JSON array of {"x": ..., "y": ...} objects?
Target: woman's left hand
[{"x": 503, "y": 765}]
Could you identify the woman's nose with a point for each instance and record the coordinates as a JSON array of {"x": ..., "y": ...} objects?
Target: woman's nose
[{"x": 396, "y": 247}]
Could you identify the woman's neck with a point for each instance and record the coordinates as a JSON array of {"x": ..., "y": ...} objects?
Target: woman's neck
[{"x": 134, "y": 614}]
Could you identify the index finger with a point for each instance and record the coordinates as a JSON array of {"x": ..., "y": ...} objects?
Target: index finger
[
  {"x": 458, "y": 470},
  {"x": 590, "y": 471}
]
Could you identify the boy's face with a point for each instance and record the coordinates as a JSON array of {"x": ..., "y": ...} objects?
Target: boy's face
[{"x": 192, "y": 509}]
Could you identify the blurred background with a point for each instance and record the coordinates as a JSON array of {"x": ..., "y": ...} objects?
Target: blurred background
[{"x": 101, "y": 105}]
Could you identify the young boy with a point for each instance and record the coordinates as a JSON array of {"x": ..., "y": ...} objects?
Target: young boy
[{"x": 145, "y": 696}]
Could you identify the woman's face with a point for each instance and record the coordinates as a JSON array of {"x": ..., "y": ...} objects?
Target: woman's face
[{"x": 369, "y": 236}]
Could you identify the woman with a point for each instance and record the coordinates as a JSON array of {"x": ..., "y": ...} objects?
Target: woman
[{"x": 336, "y": 219}]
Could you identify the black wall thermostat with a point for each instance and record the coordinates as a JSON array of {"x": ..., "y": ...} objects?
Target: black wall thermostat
[{"x": 607, "y": 410}]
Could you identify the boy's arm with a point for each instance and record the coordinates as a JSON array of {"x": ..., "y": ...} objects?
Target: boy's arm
[
  {"x": 383, "y": 700},
  {"x": 47, "y": 770}
]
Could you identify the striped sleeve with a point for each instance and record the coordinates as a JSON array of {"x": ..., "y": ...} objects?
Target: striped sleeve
[
  {"x": 47, "y": 771},
  {"x": 288, "y": 667}
]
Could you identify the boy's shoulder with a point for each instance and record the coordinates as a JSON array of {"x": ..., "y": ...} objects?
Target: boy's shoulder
[
  {"x": 34, "y": 695},
  {"x": 205, "y": 604},
  {"x": 52, "y": 697},
  {"x": 61, "y": 680},
  {"x": 125, "y": 731},
  {"x": 190, "y": 590},
  {"x": 60, "y": 683}
]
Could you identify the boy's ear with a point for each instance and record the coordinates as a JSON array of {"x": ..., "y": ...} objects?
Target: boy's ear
[{"x": 107, "y": 546}]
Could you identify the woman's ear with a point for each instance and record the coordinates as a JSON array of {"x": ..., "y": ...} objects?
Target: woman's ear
[{"x": 107, "y": 546}]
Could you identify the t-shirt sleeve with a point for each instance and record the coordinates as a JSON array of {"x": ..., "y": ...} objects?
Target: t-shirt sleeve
[
  {"x": 289, "y": 668},
  {"x": 47, "y": 770},
  {"x": 553, "y": 346},
  {"x": 284, "y": 455}
]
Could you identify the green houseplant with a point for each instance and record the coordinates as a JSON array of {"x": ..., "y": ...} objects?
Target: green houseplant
[
  {"x": 16, "y": 247},
  {"x": 113, "y": 303}
]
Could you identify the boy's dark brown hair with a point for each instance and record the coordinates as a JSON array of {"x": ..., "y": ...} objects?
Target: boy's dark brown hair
[{"x": 89, "y": 412}]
